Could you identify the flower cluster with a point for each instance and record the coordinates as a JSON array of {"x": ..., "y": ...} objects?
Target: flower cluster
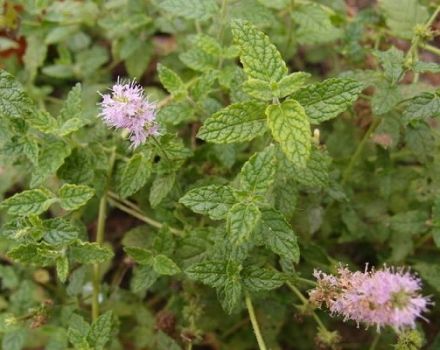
[
  {"x": 387, "y": 297},
  {"x": 126, "y": 107}
]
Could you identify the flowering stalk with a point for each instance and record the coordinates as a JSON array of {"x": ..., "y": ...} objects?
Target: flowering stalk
[
  {"x": 126, "y": 107},
  {"x": 387, "y": 297}
]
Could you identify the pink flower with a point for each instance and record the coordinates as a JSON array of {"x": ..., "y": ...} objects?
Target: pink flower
[
  {"x": 126, "y": 107},
  {"x": 387, "y": 297}
]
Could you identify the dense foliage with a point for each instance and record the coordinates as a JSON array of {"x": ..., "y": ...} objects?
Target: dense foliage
[{"x": 292, "y": 135}]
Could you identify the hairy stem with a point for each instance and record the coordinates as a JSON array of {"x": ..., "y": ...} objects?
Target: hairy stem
[
  {"x": 141, "y": 216},
  {"x": 100, "y": 231},
  {"x": 255, "y": 326},
  {"x": 358, "y": 151}
]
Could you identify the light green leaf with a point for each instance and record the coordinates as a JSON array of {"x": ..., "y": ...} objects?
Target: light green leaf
[
  {"x": 278, "y": 236},
  {"x": 256, "y": 279},
  {"x": 51, "y": 157},
  {"x": 78, "y": 331},
  {"x": 42, "y": 121},
  {"x": 327, "y": 99},
  {"x": 59, "y": 231},
  {"x": 14, "y": 103},
  {"x": 242, "y": 219},
  {"x": 198, "y": 60},
  {"x": 258, "y": 89},
  {"x": 236, "y": 123},
  {"x": 73, "y": 197},
  {"x": 430, "y": 272},
  {"x": 89, "y": 253},
  {"x": 140, "y": 255},
  {"x": 258, "y": 173},
  {"x": 134, "y": 175},
  {"x": 30, "y": 202},
  {"x": 423, "y": 106},
  {"x": 214, "y": 201},
  {"x": 230, "y": 295},
  {"x": 316, "y": 173},
  {"x": 409, "y": 222},
  {"x": 292, "y": 82},
  {"x": 290, "y": 127},
  {"x": 385, "y": 98},
  {"x": 260, "y": 58},
  {"x": 211, "y": 273},
  {"x": 71, "y": 113},
  {"x": 191, "y": 9},
  {"x": 392, "y": 62},
  {"x": 14, "y": 340},
  {"x": 100, "y": 332},
  {"x": 171, "y": 81},
  {"x": 143, "y": 278},
  {"x": 162, "y": 185},
  {"x": 163, "y": 265},
  {"x": 402, "y": 16},
  {"x": 315, "y": 26},
  {"x": 62, "y": 267},
  {"x": 38, "y": 254},
  {"x": 436, "y": 222},
  {"x": 424, "y": 67}
]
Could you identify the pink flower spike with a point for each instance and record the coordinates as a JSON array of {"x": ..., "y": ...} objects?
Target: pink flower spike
[
  {"x": 126, "y": 107},
  {"x": 387, "y": 297}
]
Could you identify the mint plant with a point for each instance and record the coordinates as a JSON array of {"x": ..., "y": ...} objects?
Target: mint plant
[{"x": 210, "y": 174}]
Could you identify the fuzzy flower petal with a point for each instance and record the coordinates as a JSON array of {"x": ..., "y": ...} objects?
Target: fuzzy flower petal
[{"x": 126, "y": 107}]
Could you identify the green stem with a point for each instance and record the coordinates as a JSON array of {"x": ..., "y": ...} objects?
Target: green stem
[
  {"x": 96, "y": 279},
  {"x": 374, "y": 342},
  {"x": 255, "y": 326},
  {"x": 142, "y": 217},
  {"x": 304, "y": 300},
  {"x": 359, "y": 149},
  {"x": 430, "y": 48}
]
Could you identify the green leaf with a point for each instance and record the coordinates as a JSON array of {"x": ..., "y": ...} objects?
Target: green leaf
[
  {"x": 385, "y": 98},
  {"x": 316, "y": 173},
  {"x": 78, "y": 331},
  {"x": 176, "y": 113},
  {"x": 62, "y": 267},
  {"x": 315, "y": 26},
  {"x": 100, "y": 332},
  {"x": 191, "y": 9},
  {"x": 214, "y": 201},
  {"x": 436, "y": 222},
  {"x": 42, "y": 121},
  {"x": 426, "y": 67},
  {"x": 327, "y": 99},
  {"x": 163, "y": 265},
  {"x": 258, "y": 173},
  {"x": 430, "y": 272},
  {"x": 256, "y": 279},
  {"x": 71, "y": 113},
  {"x": 38, "y": 254},
  {"x": 292, "y": 82},
  {"x": 51, "y": 157},
  {"x": 278, "y": 236},
  {"x": 162, "y": 185},
  {"x": 14, "y": 103},
  {"x": 290, "y": 127},
  {"x": 14, "y": 340},
  {"x": 211, "y": 273},
  {"x": 60, "y": 231},
  {"x": 134, "y": 175},
  {"x": 171, "y": 81},
  {"x": 403, "y": 15},
  {"x": 230, "y": 295},
  {"x": 410, "y": 222},
  {"x": 242, "y": 219},
  {"x": 260, "y": 58},
  {"x": 30, "y": 202},
  {"x": 143, "y": 278},
  {"x": 236, "y": 123},
  {"x": 89, "y": 253},
  {"x": 74, "y": 196},
  {"x": 140, "y": 255},
  {"x": 258, "y": 89},
  {"x": 392, "y": 62},
  {"x": 421, "y": 107}
]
